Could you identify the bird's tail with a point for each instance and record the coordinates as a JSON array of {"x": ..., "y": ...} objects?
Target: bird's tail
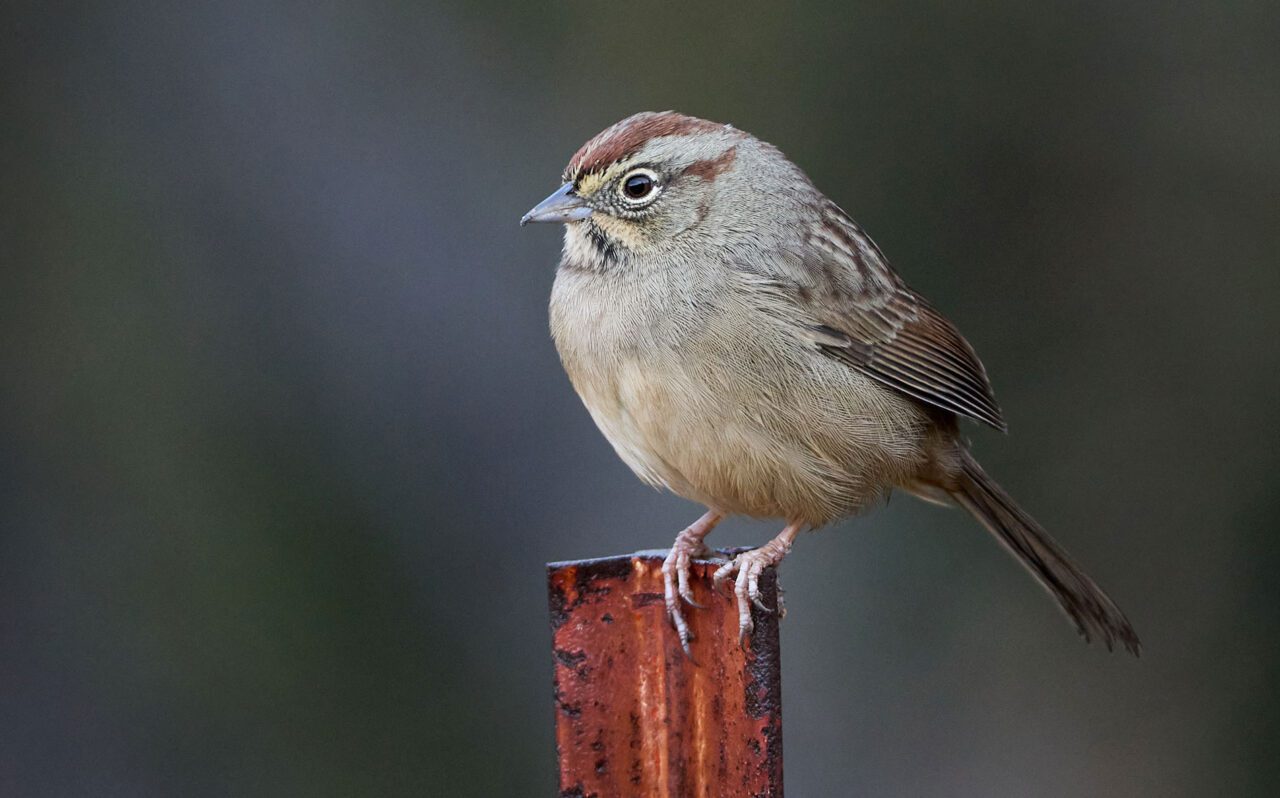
[{"x": 1090, "y": 609}]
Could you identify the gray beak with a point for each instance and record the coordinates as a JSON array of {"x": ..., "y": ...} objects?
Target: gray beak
[{"x": 562, "y": 206}]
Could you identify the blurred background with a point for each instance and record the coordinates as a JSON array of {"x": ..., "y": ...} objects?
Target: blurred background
[{"x": 284, "y": 442}]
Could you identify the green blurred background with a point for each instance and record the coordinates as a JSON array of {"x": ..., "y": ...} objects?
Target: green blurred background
[{"x": 284, "y": 442}]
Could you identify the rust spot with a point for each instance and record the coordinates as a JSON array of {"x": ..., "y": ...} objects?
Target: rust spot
[
  {"x": 638, "y": 718},
  {"x": 711, "y": 168},
  {"x": 624, "y": 138},
  {"x": 570, "y": 659},
  {"x": 559, "y": 604},
  {"x": 569, "y": 587},
  {"x": 639, "y": 600},
  {"x": 572, "y": 710}
]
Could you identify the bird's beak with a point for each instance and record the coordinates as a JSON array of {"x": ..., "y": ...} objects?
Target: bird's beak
[{"x": 562, "y": 206}]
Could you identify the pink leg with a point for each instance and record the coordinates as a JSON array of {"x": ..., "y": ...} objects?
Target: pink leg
[
  {"x": 675, "y": 571},
  {"x": 748, "y": 566}
]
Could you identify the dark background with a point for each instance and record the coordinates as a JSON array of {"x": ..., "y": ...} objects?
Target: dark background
[{"x": 285, "y": 443}]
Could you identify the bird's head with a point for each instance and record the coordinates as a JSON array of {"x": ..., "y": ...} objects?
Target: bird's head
[{"x": 656, "y": 181}]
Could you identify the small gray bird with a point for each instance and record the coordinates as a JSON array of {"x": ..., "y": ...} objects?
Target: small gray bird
[{"x": 742, "y": 342}]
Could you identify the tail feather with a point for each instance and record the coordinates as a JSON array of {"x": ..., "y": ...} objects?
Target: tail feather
[{"x": 1090, "y": 609}]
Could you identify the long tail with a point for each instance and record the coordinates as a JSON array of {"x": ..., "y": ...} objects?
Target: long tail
[{"x": 1091, "y": 610}]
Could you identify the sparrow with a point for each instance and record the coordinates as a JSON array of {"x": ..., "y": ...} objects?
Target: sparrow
[{"x": 741, "y": 341}]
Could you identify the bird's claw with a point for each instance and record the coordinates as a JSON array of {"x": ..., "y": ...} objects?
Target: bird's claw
[
  {"x": 675, "y": 582},
  {"x": 746, "y": 587}
]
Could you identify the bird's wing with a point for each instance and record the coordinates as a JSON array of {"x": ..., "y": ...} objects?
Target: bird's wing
[
  {"x": 851, "y": 306},
  {"x": 901, "y": 341}
]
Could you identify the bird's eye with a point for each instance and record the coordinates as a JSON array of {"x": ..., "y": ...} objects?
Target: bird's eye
[{"x": 638, "y": 185}]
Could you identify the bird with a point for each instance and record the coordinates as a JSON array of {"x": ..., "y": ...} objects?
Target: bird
[{"x": 743, "y": 343}]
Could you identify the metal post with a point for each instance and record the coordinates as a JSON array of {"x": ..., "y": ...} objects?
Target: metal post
[{"x": 635, "y": 717}]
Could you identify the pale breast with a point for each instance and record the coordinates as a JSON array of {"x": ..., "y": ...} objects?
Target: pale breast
[
  {"x": 606, "y": 330},
  {"x": 722, "y": 404}
]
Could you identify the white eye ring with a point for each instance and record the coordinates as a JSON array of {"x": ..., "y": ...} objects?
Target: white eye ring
[{"x": 639, "y": 187}]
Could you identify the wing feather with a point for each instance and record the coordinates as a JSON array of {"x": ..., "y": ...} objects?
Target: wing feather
[{"x": 851, "y": 306}]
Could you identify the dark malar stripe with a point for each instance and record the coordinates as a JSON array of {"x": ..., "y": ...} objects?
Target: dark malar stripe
[{"x": 604, "y": 246}]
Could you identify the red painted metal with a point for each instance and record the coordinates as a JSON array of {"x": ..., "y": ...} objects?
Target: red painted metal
[{"x": 637, "y": 718}]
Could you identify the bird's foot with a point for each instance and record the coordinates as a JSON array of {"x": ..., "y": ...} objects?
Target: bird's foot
[
  {"x": 746, "y": 588},
  {"x": 675, "y": 572}
]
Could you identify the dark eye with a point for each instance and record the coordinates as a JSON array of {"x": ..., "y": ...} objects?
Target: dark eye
[{"x": 638, "y": 186}]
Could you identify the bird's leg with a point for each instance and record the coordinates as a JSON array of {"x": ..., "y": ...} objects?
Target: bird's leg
[
  {"x": 748, "y": 566},
  {"x": 675, "y": 571}
]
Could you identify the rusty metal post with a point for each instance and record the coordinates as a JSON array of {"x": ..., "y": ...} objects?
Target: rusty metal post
[{"x": 635, "y": 717}]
